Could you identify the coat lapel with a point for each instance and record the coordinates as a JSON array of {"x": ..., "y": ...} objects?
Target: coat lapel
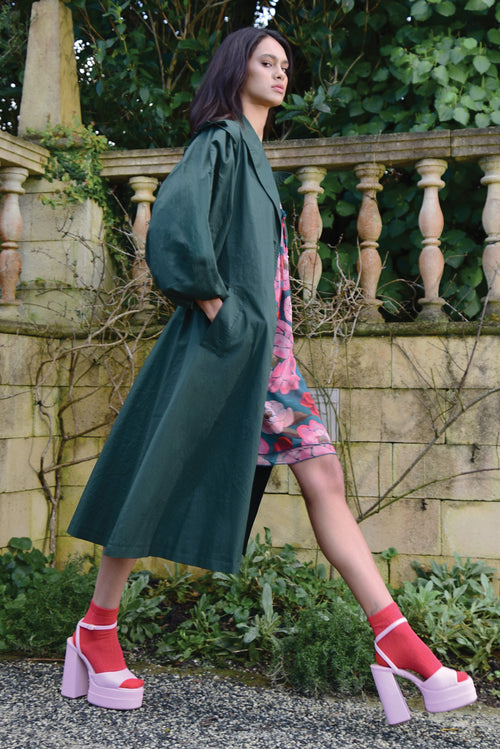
[{"x": 261, "y": 164}]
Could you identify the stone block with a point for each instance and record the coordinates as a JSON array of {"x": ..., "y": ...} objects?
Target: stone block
[
  {"x": 406, "y": 525},
  {"x": 67, "y": 506},
  {"x": 479, "y": 424},
  {"x": 39, "y": 518},
  {"x": 21, "y": 357},
  {"x": 23, "y": 514},
  {"x": 471, "y": 529},
  {"x": 315, "y": 557},
  {"x": 81, "y": 455},
  {"x": 20, "y": 461},
  {"x": 293, "y": 484},
  {"x": 278, "y": 480},
  {"x": 68, "y": 547},
  {"x": 386, "y": 416},
  {"x": 43, "y": 222},
  {"x": 90, "y": 412},
  {"x": 437, "y": 362},
  {"x": 367, "y": 468},
  {"x": 20, "y": 416},
  {"x": 358, "y": 363},
  {"x": 287, "y": 519},
  {"x": 402, "y": 570},
  {"x": 448, "y": 472},
  {"x": 15, "y": 510}
]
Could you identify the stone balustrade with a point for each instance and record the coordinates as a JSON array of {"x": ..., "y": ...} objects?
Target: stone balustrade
[
  {"x": 368, "y": 156},
  {"x": 310, "y": 160},
  {"x": 18, "y": 159}
]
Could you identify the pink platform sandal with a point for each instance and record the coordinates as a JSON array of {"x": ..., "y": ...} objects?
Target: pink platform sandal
[
  {"x": 441, "y": 691},
  {"x": 104, "y": 689}
]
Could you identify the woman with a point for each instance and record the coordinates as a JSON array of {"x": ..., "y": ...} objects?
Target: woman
[{"x": 177, "y": 477}]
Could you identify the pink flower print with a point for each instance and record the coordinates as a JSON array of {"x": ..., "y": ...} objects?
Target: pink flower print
[
  {"x": 263, "y": 447},
  {"x": 276, "y": 417},
  {"x": 282, "y": 443},
  {"x": 284, "y": 377},
  {"x": 313, "y": 433},
  {"x": 287, "y": 308},
  {"x": 308, "y": 401},
  {"x": 283, "y": 340}
]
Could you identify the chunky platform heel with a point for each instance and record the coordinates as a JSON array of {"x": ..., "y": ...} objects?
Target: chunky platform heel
[
  {"x": 104, "y": 689},
  {"x": 75, "y": 681},
  {"x": 441, "y": 691}
]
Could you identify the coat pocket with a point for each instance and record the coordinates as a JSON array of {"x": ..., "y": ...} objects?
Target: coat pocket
[{"x": 226, "y": 331}]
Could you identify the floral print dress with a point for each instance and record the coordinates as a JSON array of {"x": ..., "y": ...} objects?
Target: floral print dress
[{"x": 292, "y": 429}]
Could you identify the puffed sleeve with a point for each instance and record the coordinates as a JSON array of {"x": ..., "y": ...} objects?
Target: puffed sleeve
[{"x": 181, "y": 250}]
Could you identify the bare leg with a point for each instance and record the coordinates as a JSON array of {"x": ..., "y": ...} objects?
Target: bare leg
[
  {"x": 111, "y": 578},
  {"x": 339, "y": 536}
]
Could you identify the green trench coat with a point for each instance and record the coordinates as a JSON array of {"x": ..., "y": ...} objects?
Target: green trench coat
[{"x": 175, "y": 475}]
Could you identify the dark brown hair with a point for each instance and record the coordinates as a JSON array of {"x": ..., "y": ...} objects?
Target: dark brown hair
[{"x": 219, "y": 94}]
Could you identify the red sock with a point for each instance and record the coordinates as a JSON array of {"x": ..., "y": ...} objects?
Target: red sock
[
  {"x": 404, "y": 648},
  {"x": 101, "y": 646}
]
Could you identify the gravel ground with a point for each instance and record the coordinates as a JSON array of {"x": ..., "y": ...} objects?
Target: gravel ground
[{"x": 210, "y": 711}]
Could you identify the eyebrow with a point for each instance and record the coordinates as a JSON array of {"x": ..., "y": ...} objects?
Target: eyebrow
[{"x": 273, "y": 57}]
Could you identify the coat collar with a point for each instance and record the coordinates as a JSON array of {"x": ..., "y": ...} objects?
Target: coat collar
[{"x": 245, "y": 131}]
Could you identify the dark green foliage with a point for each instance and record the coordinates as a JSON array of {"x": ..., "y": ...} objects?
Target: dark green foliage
[
  {"x": 456, "y": 612},
  {"x": 14, "y": 23},
  {"x": 329, "y": 649},
  {"x": 139, "y": 611},
  {"x": 40, "y": 604}
]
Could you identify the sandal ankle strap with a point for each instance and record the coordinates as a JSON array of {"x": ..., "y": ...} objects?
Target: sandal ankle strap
[
  {"x": 86, "y": 625},
  {"x": 390, "y": 628},
  {"x": 382, "y": 634}
]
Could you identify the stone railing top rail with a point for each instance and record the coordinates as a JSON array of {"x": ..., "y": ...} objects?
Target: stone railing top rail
[
  {"x": 390, "y": 149},
  {"x": 15, "y": 151}
]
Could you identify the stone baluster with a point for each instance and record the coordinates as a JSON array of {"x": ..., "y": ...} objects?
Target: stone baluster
[
  {"x": 369, "y": 226},
  {"x": 310, "y": 228},
  {"x": 491, "y": 223},
  {"x": 143, "y": 188},
  {"x": 11, "y": 228},
  {"x": 431, "y": 223}
]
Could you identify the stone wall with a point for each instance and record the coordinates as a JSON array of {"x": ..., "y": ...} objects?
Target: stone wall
[{"x": 394, "y": 399}]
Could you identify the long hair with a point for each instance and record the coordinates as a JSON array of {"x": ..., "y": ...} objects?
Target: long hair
[{"x": 219, "y": 94}]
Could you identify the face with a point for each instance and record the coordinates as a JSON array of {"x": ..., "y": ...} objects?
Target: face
[{"x": 267, "y": 76}]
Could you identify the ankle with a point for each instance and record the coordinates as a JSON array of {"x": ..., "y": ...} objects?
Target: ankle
[
  {"x": 100, "y": 645},
  {"x": 99, "y": 615},
  {"x": 398, "y": 645}
]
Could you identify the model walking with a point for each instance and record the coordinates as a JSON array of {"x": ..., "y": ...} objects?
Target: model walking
[{"x": 221, "y": 394}]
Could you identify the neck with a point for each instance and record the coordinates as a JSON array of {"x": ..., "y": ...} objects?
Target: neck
[{"x": 257, "y": 117}]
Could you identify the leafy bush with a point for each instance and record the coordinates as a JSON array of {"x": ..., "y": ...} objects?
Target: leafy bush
[
  {"x": 244, "y": 614},
  {"x": 456, "y": 612},
  {"x": 329, "y": 648},
  {"x": 138, "y": 612},
  {"x": 41, "y": 604}
]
